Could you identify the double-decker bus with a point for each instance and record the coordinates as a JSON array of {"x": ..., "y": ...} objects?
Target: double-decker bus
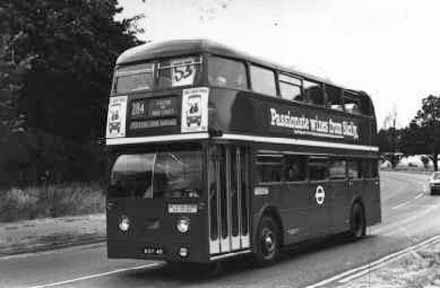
[{"x": 216, "y": 153}]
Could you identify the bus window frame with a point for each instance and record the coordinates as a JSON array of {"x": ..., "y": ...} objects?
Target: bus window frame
[
  {"x": 341, "y": 98},
  {"x": 358, "y": 161},
  {"x": 300, "y": 79},
  {"x": 202, "y": 73},
  {"x": 116, "y": 72},
  {"x": 275, "y": 78},
  {"x": 256, "y": 163},
  {"x": 324, "y": 180},
  {"x": 306, "y": 173},
  {"x": 156, "y": 64},
  {"x": 205, "y": 76},
  {"x": 307, "y": 99}
]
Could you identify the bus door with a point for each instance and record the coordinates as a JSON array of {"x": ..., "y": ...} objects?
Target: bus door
[
  {"x": 319, "y": 195},
  {"x": 228, "y": 199}
]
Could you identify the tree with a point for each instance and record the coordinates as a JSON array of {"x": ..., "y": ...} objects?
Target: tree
[
  {"x": 12, "y": 71},
  {"x": 56, "y": 62},
  {"x": 75, "y": 44},
  {"x": 422, "y": 136},
  {"x": 389, "y": 141}
]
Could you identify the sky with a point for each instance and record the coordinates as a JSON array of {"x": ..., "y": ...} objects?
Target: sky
[{"x": 390, "y": 49}]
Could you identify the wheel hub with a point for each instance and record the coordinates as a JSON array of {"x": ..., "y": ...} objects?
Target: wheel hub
[{"x": 268, "y": 241}]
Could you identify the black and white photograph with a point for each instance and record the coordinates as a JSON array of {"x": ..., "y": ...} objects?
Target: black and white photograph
[{"x": 220, "y": 143}]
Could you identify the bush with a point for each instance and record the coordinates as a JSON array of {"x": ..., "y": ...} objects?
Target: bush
[{"x": 51, "y": 201}]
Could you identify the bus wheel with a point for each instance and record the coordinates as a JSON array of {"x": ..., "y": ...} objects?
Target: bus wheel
[
  {"x": 267, "y": 241},
  {"x": 357, "y": 222}
]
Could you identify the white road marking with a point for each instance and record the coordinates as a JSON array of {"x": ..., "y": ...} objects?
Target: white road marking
[
  {"x": 361, "y": 270},
  {"x": 418, "y": 196},
  {"x": 92, "y": 276},
  {"x": 401, "y": 205}
]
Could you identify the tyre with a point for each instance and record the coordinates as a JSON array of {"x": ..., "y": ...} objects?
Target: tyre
[
  {"x": 267, "y": 241},
  {"x": 358, "y": 225}
]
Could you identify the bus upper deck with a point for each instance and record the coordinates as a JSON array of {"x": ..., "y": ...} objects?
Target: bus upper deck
[{"x": 198, "y": 89}]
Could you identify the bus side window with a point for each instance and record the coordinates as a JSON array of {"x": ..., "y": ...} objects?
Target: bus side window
[
  {"x": 290, "y": 88},
  {"x": 313, "y": 92},
  {"x": 318, "y": 169},
  {"x": 294, "y": 168},
  {"x": 337, "y": 169},
  {"x": 263, "y": 80},
  {"x": 334, "y": 98},
  {"x": 224, "y": 72},
  {"x": 353, "y": 169},
  {"x": 269, "y": 168}
]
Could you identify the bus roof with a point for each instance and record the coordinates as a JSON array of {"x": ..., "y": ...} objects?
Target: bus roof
[{"x": 172, "y": 48}]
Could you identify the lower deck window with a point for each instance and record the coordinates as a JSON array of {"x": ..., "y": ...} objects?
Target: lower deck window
[
  {"x": 269, "y": 168},
  {"x": 318, "y": 169}
]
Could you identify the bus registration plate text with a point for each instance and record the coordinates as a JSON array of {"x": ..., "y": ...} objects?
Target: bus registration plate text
[{"x": 182, "y": 208}]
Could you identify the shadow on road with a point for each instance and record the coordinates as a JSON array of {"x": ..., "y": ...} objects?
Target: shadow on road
[{"x": 191, "y": 274}]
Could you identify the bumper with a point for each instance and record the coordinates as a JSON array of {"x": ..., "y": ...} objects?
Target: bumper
[{"x": 121, "y": 249}]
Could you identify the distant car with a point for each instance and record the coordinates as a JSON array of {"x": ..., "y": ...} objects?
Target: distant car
[{"x": 434, "y": 183}]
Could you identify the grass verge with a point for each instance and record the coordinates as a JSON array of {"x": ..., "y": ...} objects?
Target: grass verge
[
  {"x": 419, "y": 269},
  {"x": 51, "y": 201}
]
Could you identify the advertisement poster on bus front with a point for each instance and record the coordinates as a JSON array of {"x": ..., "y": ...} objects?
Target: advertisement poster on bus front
[
  {"x": 195, "y": 110},
  {"x": 116, "y": 117}
]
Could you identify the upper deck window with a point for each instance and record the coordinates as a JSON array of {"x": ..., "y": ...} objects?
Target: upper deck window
[
  {"x": 290, "y": 88},
  {"x": 334, "y": 98},
  {"x": 263, "y": 80},
  {"x": 179, "y": 72},
  {"x": 134, "y": 78},
  {"x": 351, "y": 103},
  {"x": 313, "y": 92},
  {"x": 229, "y": 73}
]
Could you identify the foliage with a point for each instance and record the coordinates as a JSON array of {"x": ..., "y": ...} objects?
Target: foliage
[
  {"x": 51, "y": 201},
  {"x": 389, "y": 144},
  {"x": 425, "y": 161},
  {"x": 422, "y": 136},
  {"x": 75, "y": 44},
  {"x": 56, "y": 61}
]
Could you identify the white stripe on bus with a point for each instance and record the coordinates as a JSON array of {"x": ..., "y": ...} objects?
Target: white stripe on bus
[
  {"x": 161, "y": 138},
  {"x": 275, "y": 140},
  {"x": 279, "y": 140}
]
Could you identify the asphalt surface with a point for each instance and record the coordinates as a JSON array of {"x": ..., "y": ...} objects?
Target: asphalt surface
[{"x": 410, "y": 216}]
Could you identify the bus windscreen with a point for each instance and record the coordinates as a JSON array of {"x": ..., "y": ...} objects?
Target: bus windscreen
[{"x": 170, "y": 174}]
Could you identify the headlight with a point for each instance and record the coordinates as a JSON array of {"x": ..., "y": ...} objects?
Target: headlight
[
  {"x": 183, "y": 225},
  {"x": 124, "y": 224}
]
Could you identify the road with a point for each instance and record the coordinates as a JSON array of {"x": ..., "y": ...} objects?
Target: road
[{"x": 410, "y": 216}]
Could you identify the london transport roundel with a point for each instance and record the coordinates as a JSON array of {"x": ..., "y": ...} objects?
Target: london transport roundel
[{"x": 320, "y": 195}]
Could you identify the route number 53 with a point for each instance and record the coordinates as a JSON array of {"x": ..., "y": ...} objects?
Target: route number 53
[{"x": 183, "y": 75}]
